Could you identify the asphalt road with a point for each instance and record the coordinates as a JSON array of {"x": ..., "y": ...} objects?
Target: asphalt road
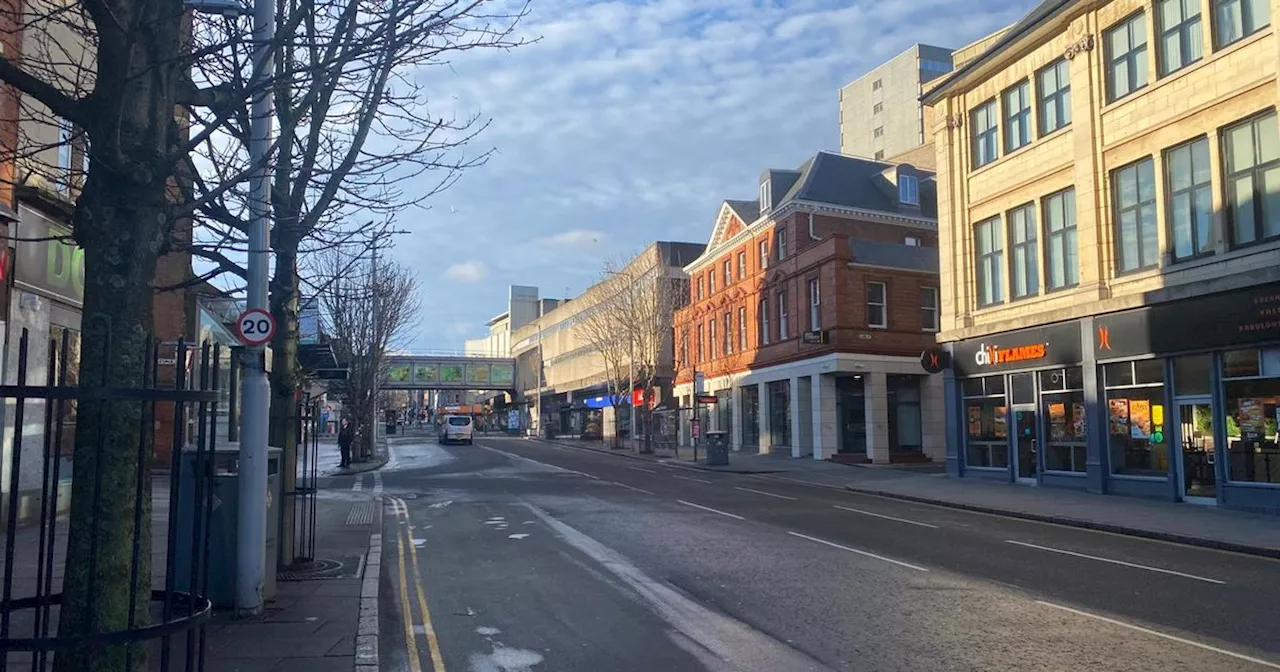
[{"x": 520, "y": 555}]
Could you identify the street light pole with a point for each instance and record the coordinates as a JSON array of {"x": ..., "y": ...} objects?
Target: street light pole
[{"x": 251, "y": 538}]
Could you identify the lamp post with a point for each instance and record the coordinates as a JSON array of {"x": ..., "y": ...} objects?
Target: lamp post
[{"x": 251, "y": 535}]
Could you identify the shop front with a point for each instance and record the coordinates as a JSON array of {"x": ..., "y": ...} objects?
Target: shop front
[{"x": 1177, "y": 401}]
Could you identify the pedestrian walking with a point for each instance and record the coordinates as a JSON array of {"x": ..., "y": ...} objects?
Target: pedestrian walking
[{"x": 345, "y": 436}]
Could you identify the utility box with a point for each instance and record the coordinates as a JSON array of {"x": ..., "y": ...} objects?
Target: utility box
[
  {"x": 222, "y": 520},
  {"x": 717, "y": 444}
]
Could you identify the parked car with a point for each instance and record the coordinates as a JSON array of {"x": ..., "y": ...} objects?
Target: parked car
[{"x": 460, "y": 428}]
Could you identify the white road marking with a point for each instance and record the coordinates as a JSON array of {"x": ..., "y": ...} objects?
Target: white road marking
[
  {"x": 695, "y": 480},
  {"x": 1115, "y": 562},
  {"x": 859, "y": 552},
  {"x": 647, "y": 471},
  {"x": 516, "y": 536},
  {"x": 359, "y": 484},
  {"x": 707, "y": 508},
  {"x": 377, "y": 483},
  {"x": 419, "y": 542},
  {"x": 540, "y": 464},
  {"x": 622, "y": 485},
  {"x": 881, "y": 515},
  {"x": 1173, "y": 638},
  {"x": 762, "y": 492},
  {"x": 583, "y": 473}
]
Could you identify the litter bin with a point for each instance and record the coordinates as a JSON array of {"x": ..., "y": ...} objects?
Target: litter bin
[
  {"x": 717, "y": 444},
  {"x": 223, "y": 521}
]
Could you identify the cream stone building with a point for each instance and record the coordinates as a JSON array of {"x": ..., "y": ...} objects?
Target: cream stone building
[{"x": 1109, "y": 205}]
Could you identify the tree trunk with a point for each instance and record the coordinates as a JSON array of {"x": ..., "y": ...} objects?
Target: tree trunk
[
  {"x": 285, "y": 375},
  {"x": 120, "y": 226}
]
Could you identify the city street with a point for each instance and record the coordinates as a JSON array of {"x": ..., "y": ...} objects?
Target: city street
[{"x": 514, "y": 554}]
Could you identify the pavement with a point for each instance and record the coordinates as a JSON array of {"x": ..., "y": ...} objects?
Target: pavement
[
  {"x": 523, "y": 555},
  {"x": 1225, "y": 529}
]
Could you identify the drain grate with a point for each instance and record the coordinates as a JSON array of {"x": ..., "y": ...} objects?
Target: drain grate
[
  {"x": 362, "y": 513},
  {"x": 346, "y": 567}
]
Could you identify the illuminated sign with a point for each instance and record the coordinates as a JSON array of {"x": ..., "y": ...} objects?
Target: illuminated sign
[{"x": 991, "y": 355}]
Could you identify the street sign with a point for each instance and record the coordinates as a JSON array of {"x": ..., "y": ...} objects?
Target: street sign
[
  {"x": 699, "y": 382},
  {"x": 255, "y": 327},
  {"x": 697, "y": 429},
  {"x": 707, "y": 399}
]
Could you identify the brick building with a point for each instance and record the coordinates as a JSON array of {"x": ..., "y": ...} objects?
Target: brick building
[
  {"x": 809, "y": 310},
  {"x": 1109, "y": 199}
]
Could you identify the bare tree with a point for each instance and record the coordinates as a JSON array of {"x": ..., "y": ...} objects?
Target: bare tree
[
  {"x": 368, "y": 310},
  {"x": 601, "y": 326}
]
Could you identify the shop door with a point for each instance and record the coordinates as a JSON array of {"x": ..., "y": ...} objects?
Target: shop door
[
  {"x": 1195, "y": 442},
  {"x": 1026, "y": 453}
]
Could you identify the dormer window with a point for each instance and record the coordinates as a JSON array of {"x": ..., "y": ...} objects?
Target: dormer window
[
  {"x": 909, "y": 189},
  {"x": 766, "y": 196}
]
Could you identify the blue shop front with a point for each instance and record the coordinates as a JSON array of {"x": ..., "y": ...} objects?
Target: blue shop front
[{"x": 1178, "y": 401}]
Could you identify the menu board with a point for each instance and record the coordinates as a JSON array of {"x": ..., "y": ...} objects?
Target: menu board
[
  {"x": 1140, "y": 418},
  {"x": 1119, "y": 416},
  {"x": 1002, "y": 423},
  {"x": 1078, "y": 423},
  {"x": 975, "y": 420},
  {"x": 1057, "y": 421},
  {"x": 1252, "y": 418}
]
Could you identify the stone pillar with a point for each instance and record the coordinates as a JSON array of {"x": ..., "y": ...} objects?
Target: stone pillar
[
  {"x": 877, "y": 399},
  {"x": 735, "y": 422},
  {"x": 1096, "y": 461},
  {"x": 933, "y": 417},
  {"x": 825, "y": 417},
  {"x": 955, "y": 427},
  {"x": 766, "y": 420},
  {"x": 796, "y": 423}
]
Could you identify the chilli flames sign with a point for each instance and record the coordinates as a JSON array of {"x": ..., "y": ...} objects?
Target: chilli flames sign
[{"x": 992, "y": 355}]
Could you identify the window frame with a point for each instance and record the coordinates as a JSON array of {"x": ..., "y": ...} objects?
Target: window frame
[
  {"x": 783, "y": 327},
  {"x": 1059, "y": 97},
  {"x": 877, "y": 108},
  {"x": 728, "y": 272},
  {"x": 1018, "y": 120},
  {"x": 702, "y": 345},
  {"x": 993, "y": 258},
  {"x": 883, "y": 304},
  {"x": 1070, "y": 240},
  {"x": 727, "y": 347},
  {"x": 935, "y": 310},
  {"x": 909, "y": 190},
  {"x": 981, "y": 136},
  {"x": 766, "y": 195},
  {"x": 711, "y": 334},
  {"x": 781, "y": 244},
  {"x": 1255, "y": 171},
  {"x": 742, "y": 328},
  {"x": 701, "y": 287},
  {"x": 1216, "y": 7},
  {"x": 815, "y": 304},
  {"x": 711, "y": 282},
  {"x": 1030, "y": 274},
  {"x": 1118, "y": 210},
  {"x": 1131, "y": 57},
  {"x": 878, "y": 132},
  {"x": 1171, "y": 193},
  {"x": 762, "y": 321},
  {"x": 742, "y": 264},
  {"x": 1182, "y": 29},
  {"x": 764, "y": 254}
]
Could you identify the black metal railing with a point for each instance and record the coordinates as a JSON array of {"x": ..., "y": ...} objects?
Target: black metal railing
[
  {"x": 165, "y": 624},
  {"x": 305, "y": 486}
]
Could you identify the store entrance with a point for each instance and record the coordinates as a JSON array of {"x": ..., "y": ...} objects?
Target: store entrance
[
  {"x": 1195, "y": 442},
  {"x": 1026, "y": 453}
]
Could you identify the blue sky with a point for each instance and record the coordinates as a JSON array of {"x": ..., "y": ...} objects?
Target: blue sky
[{"x": 630, "y": 120}]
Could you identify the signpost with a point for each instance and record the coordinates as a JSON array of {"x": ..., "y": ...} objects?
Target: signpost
[{"x": 255, "y": 327}]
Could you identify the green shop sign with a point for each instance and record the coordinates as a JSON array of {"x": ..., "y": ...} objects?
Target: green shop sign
[{"x": 48, "y": 266}]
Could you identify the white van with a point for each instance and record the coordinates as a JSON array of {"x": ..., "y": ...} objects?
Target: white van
[{"x": 457, "y": 428}]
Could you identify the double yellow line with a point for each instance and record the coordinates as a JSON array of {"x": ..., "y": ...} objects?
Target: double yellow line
[{"x": 405, "y": 534}]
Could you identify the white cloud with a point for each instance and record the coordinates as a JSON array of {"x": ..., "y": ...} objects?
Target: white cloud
[
  {"x": 467, "y": 271},
  {"x": 576, "y": 238},
  {"x": 633, "y": 119}
]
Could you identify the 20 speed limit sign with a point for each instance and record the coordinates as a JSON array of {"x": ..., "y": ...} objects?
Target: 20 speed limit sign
[{"x": 256, "y": 326}]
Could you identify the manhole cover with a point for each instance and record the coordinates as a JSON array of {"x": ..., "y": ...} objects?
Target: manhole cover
[{"x": 347, "y": 567}]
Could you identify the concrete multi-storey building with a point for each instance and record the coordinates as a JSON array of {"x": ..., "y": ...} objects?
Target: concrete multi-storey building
[
  {"x": 1109, "y": 199},
  {"x": 809, "y": 311},
  {"x": 561, "y": 374},
  {"x": 880, "y": 112}
]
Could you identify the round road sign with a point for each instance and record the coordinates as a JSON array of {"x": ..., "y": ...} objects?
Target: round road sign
[{"x": 256, "y": 326}]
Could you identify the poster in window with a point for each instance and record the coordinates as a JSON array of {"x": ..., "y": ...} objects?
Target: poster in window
[
  {"x": 1078, "y": 423},
  {"x": 1058, "y": 421},
  {"x": 1140, "y": 418},
  {"x": 1002, "y": 423},
  {"x": 1119, "y": 416},
  {"x": 975, "y": 420},
  {"x": 1253, "y": 418}
]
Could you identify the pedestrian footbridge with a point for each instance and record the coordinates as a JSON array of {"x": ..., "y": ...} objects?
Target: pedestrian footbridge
[{"x": 449, "y": 372}]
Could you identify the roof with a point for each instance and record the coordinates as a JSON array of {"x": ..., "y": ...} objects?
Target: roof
[
  {"x": 747, "y": 211},
  {"x": 679, "y": 254},
  {"x": 894, "y": 255},
  {"x": 855, "y": 182},
  {"x": 1042, "y": 12}
]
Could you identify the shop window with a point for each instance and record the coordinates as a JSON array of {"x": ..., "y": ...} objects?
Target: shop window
[
  {"x": 986, "y": 423},
  {"x": 1022, "y": 388},
  {"x": 750, "y": 408},
  {"x": 1065, "y": 429},
  {"x": 1253, "y": 439},
  {"x": 1136, "y": 418},
  {"x": 906, "y": 423},
  {"x": 724, "y": 410},
  {"x": 780, "y": 413}
]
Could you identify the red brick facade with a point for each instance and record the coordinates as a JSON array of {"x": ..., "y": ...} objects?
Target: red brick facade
[{"x": 843, "y": 287}]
